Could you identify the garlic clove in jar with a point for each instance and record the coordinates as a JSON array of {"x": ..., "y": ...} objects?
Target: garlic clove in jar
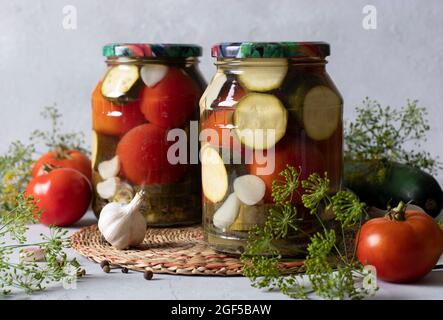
[
  {"x": 225, "y": 216},
  {"x": 109, "y": 168},
  {"x": 108, "y": 188},
  {"x": 123, "y": 225}
]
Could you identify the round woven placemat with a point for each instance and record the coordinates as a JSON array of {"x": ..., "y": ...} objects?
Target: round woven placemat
[{"x": 180, "y": 251}]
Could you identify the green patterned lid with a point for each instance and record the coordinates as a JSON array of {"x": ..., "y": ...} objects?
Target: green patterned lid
[
  {"x": 271, "y": 50},
  {"x": 151, "y": 50}
]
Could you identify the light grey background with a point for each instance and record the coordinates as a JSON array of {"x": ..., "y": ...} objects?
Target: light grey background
[{"x": 41, "y": 63}]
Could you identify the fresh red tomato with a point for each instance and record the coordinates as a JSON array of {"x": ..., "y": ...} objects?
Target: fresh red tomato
[
  {"x": 403, "y": 246},
  {"x": 143, "y": 156},
  {"x": 288, "y": 151},
  {"x": 172, "y": 101},
  {"x": 73, "y": 159},
  {"x": 113, "y": 119},
  {"x": 62, "y": 194}
]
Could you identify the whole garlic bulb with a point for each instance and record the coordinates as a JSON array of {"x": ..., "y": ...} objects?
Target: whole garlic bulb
[{"x": 123, "y": 225}]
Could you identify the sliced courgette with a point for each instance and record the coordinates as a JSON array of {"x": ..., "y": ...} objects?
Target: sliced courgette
[
  {"x": 119, "y": 80},
  {"x": 97, "y": 202},
  {"x": 152, "y": 74},
  {"x": 214, "y": 175},
  {"x": 263, "y": 78},
  {"x": 103, "y": 148},
  {"x": 260, "y": 120},
  {"x": 319, "y": 110},
  {"x": 212, "y": 91}
]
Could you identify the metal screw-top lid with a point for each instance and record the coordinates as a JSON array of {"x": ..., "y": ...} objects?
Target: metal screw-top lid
[
  {"x": 271, "y": 50},
  {"x": 152, "y": 50}
]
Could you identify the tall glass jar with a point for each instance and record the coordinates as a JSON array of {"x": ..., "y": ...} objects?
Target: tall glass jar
[
  {"x": 147, "y": 91},
  {"x": 269, "y": 105}
]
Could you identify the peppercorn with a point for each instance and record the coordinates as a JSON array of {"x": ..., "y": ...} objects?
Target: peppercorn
[
  {"x": 106, "y": 268},
  {"x": 104, "y": 263},
  {"x": 148, "y": 274}
]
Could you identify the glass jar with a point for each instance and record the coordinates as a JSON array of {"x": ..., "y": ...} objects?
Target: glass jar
[
  {"x": 147, "y": 91},
  {"x": 269, "y": 105}
]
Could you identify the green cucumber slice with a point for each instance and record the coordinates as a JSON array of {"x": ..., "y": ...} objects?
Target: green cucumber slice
[
  {"x": 255, "y": 115},
  {"x": 214, "y": 174},
  {"x": 319, "y": 109},
  {"x": 264, "y": 78},
  {"x": 119, "y": 80}
]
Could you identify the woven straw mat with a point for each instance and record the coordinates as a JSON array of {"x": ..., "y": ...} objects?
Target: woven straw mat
[{"x": 181, "y": 251}]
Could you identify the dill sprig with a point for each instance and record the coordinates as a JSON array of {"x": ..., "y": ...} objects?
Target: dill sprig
[
  {"x": 348, "y": 208},
  {"x": 54, "y": 138},
  {"x": 281, "y": 220},
  {"x": 28, "y": 275},
  {"x": 331, "y": 272},
  {"x": 316, "y": 191},
  {"x": 17, "y": 211},
  {"x": 283, "y": 189},
  {"x": 386, "y": 134}
]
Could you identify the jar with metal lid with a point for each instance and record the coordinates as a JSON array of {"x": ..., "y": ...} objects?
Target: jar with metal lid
[
  {"x": 268, "y": 106},
  {"x": 148, "y": 91}
]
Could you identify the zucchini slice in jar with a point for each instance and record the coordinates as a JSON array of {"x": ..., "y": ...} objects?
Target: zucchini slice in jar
[
  {"x": 212, "y": 91},
  {"x": 119, "y": 80},
  {"x": 260, "y": 120},
  {"x": 264, "y": 78},
  {"x": 214, "y": 174},
  {"x": 319, "y": 110},
  {"x": 103, "y": 148}
]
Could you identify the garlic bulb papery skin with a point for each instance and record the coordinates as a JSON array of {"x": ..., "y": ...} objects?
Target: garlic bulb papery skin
[{"x": 123, "y": 225}]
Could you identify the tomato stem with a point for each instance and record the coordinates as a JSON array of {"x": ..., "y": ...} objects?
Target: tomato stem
[
  {"x": 47, "y": 167},
  {"x": 61, "y": 152},
  {"x": 398, "y": 213}
]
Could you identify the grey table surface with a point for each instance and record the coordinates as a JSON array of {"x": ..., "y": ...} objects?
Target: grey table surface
[{"x": 116, "y": 285}]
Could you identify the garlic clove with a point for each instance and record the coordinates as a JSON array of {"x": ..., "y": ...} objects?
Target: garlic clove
[
  {"x": 153, "y": 73},
  {"x": 108, "y": 188},
  {"x": 32, "y": 254},
  {"x": 249, "y": 189},
  {"x": 110, "y": 168},
  {"x": 225, "y": 216}
]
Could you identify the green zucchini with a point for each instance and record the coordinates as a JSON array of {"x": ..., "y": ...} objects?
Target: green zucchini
[
  {"x": 119, "y": 82},
  {"x": 269, "y": 76},
  {"x": 318, "y": 109},
  {"x": 380, "y": 184},
  {"x": 214, "y": 175},
  {"x": 260, "y": 120}
]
